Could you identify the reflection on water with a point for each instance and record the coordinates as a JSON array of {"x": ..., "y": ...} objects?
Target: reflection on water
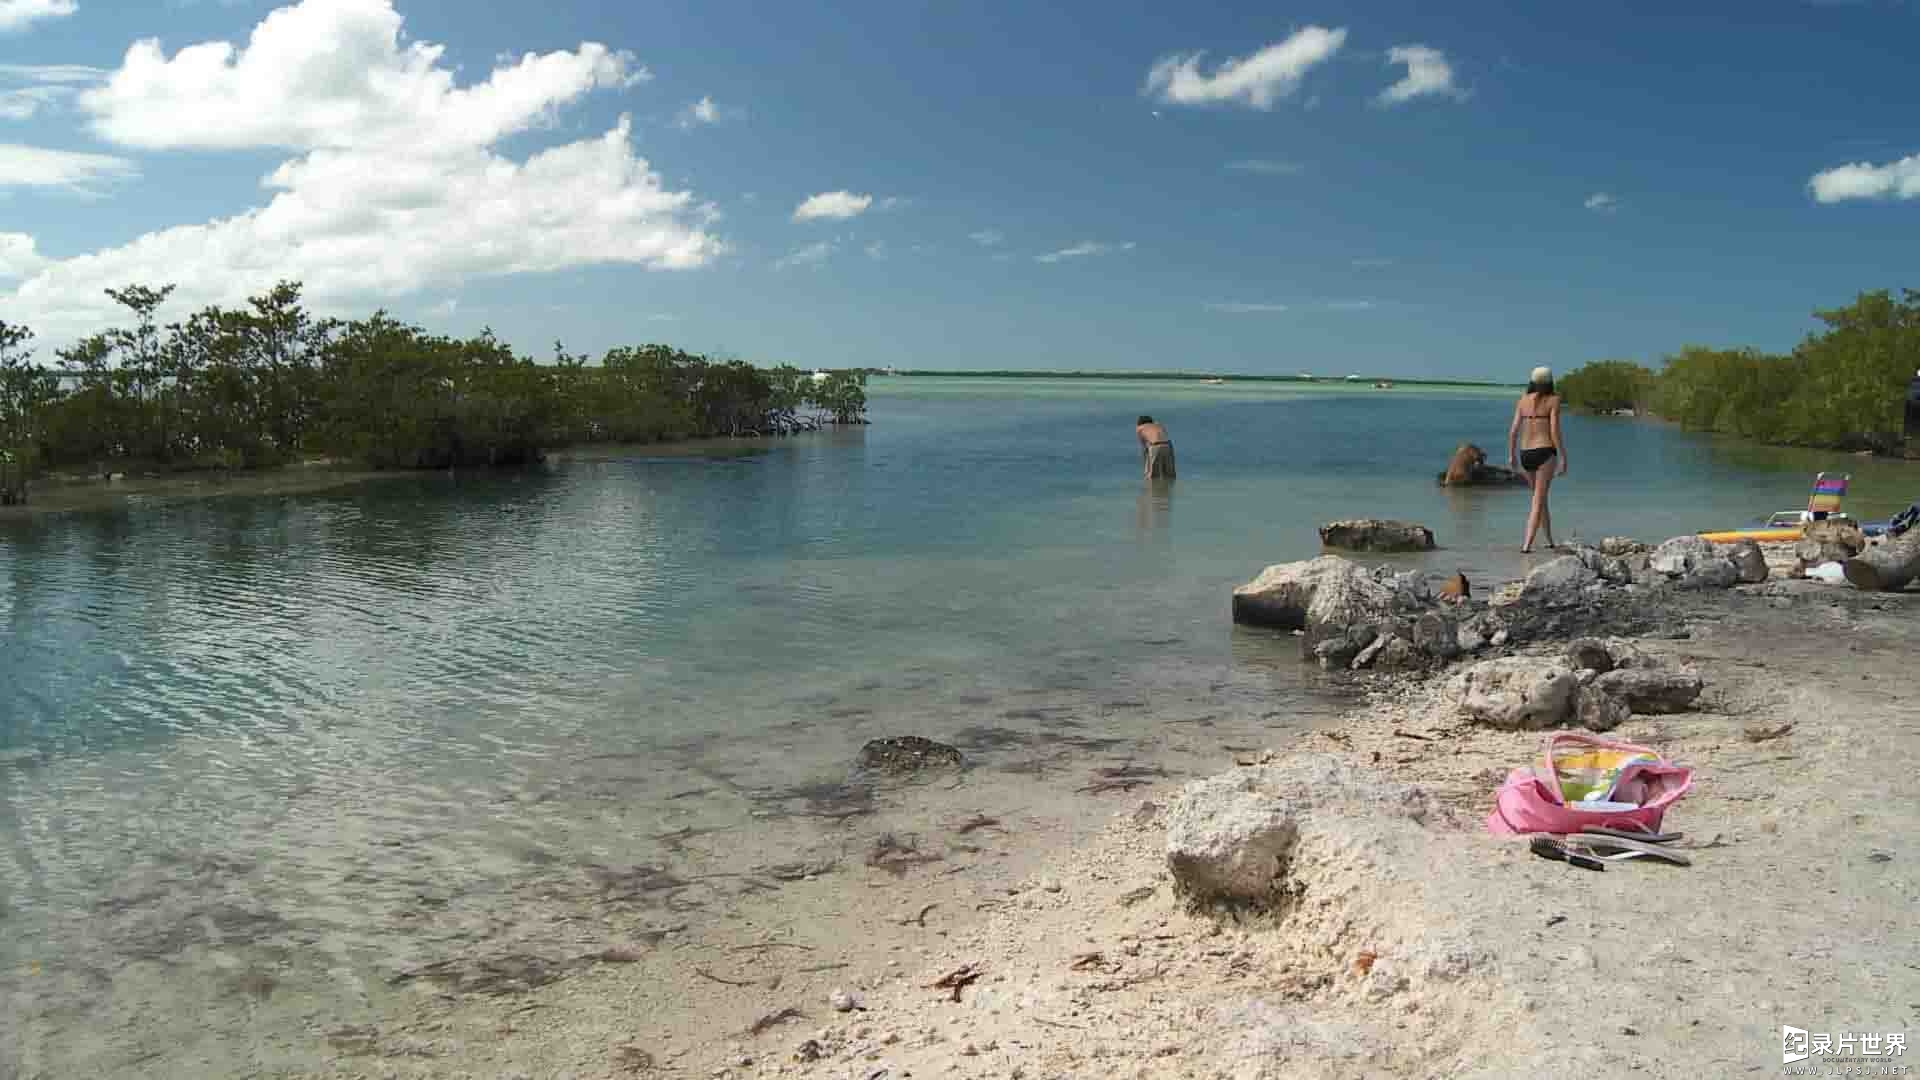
[
  {"x": 266, "y": 760},
  {"x": 1153, "y": 507}
]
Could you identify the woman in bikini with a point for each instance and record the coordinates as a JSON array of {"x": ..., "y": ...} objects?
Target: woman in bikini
[{"x": 1536, "y": 434}]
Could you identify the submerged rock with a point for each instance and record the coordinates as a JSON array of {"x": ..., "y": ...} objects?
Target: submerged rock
[
  {"x": 907, "y": 754},
  {"x": 1376, "y": 534}
]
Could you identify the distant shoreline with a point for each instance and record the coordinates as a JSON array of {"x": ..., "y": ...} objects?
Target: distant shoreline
[{"x": 1359, "y": 382}]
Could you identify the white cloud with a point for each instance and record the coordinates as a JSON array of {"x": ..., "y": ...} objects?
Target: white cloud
[
  {"x": 17, "y": 256},
  {"x": 700, "y": 112},
  {"x": 832, "y": 206},
  {"x": 20, "y": 14},
  {"x": 1428, "y": 75},
  {"x": 33, "y": 166},
  {"x": 1602, "y": 203},
  {"x": 330, "y": 74},
  {"x": 1263, "y": 167},
  {"x": 1894, "y": 180},
  {"x": 396, "y": 186},
  {"x": 988, "y": 237},
  {"x": 45, "y": 86},
  {"x": 1082, "y": 250},
  {"x": 810, "y": 255},
  {"x": 1258, "y": 79}
]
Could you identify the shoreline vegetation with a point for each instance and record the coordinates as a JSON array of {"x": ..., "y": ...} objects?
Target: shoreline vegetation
[
  {"x": 269, "y": 385},
  {"x": 1353, "y": 381},
  {"x": 1842, "y": 388}
]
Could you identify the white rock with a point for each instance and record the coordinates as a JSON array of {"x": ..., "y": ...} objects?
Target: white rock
[{"x": 842, "y": 1001}]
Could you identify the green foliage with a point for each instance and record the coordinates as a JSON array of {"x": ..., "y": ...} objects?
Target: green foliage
[
  {"x": 269, "y": 383},
  {"x": 1842, "y": 387},
  {"x": 1607, "y": 385}
]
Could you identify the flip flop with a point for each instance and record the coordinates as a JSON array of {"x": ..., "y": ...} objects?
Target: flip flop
[
  {"x": 1632, "y": 834},
  {"x": 1548, "y": 848},
  {"x": 1619, "y": 849}
]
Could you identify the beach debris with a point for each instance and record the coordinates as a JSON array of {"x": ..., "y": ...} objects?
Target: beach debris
[
  {"x": 1135, "y": 895},
  {"x": 799, "y": 871},
  {"x": 1410, "y": 735},
  {"x": 958, "y": 979},
  {"x": 896, "y": 854},
  {"x": 978, "y": 822},
  {"x": 809, "y": 1052},
  {"x": 1456, "y": 589},
  {"x": 1555, "y": 920},
  {"x": 632, "y": 1058},
  {"x": 920, "y": 919},
  {"x": 1363, "y": 963},
  {"x": 711, "y": 977},
  {"x": 1376, "y": 534},
  {"x": 1767, "y": 732},
  {"x": 774, "y": 1019},
  {"x": 1880, "y": 856},
  {"x": 618, "y": 954},
  {"x": 907, "y": 754},
  {"x": 1089, "y": 961}
]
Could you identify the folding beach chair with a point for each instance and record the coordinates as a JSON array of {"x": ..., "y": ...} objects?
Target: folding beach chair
[{"x": 1823, "y": 503}]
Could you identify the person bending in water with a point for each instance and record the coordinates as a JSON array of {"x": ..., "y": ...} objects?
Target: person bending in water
[
  {"x": 1536, "y": 432},
  {"x": 1156, "y": 450}
]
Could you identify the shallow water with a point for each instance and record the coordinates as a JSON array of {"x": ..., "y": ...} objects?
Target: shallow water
[{"x": 277, "y": 756}]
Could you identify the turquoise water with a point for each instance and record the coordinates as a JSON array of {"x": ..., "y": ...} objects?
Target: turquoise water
[{"x": 250, "y": 733}]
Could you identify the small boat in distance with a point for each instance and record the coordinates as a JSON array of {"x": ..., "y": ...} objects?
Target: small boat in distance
[
  {"x": 1306, "y": 375},
  {"x": 1214, "y": 382},
  {"x": 1383, "y": 384}
]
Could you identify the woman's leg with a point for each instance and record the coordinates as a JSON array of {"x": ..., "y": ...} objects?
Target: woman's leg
[
  {"x": 1537, "y": 508},
  {"x": 1546, "y": 508}
]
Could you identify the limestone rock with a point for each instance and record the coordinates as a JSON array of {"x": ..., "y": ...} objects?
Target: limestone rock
[
  {"x": 1691, "y": 562},
  {"x": 1597, "y": 710},
  {"x": 1398, "y": 655},
  {"x": 1558, "y": 582},
  {"x": 1435, "y": 635},
  {"x": 1616, "y": 547},
  {"x": 1828, "y": 541},
  {"x": 1651, "y": 689},
  {"x": 1376, "y": 534},
  {"x": 1590, "y": 654},
  {"x": 1616, "y": 571},
  {"x": 1748, "y": 559},
  {"x": 1323, "y": 597},
  {"x": 906, "y": 754},
  {"x": 1517, "y": 693},
  {"x": 1231, "y": 837}
]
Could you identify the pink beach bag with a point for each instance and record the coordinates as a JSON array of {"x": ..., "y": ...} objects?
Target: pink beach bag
[{"x": 1530, "y": 800}]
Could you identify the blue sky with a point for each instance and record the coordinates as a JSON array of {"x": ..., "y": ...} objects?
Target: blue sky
[{"x": 1000, "y": 185}]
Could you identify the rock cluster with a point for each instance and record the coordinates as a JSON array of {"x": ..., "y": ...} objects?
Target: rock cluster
[
  {"x": 1352, "y": 617},
  {"x": 906, "y": 754},
  {"x": 1595, "y": 685}
]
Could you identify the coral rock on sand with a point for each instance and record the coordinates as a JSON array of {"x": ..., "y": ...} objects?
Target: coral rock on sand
[
  {"x": 1231, "y": 838},
  {"x": 1519, "y": 693},
  {"x": 1558, "y": 582},
  {"x": 1651, "y": 690},
  {"x": 1375, "y": 534},
  {"x": 1748, "y": 559},
  {"x": 1616, "y": 547},
  {"x": 1591, "y": 655},
  {"x": 1322, "y": 597},
  {"x": 1827, "y": 541},
  {"x": 905, "y": 754},
  {"x": 1693, "y": 563}
]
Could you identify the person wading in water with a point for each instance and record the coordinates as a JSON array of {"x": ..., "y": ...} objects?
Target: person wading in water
[
  {"x": 1156, "y": 450},
  {"x": 1536, "y": 433}
]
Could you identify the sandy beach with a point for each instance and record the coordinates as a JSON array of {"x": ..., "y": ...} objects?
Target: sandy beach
[{"x": 1439, "y": 952}]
